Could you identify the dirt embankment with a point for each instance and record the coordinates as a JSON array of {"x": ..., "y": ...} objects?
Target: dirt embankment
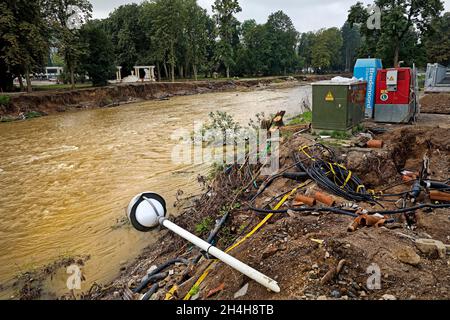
[
  {"x": 437, "y": 103},
  {"x": 50, "y": 102},
  {"x": 312, "y": 255}
]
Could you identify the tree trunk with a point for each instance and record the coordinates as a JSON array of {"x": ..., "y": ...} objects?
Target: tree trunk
[
  {"x": 166, "y": 72},
  {"x": 194, "y": 67},
  {"x": 228, "y": 72},
  {"x": 72, "y": 78},
  {"x": 181, "y": 72},
  {"x": 27, "y": 76},
  {"x": 158, "y": 69},
  {"x": 172, "y": 67},
  {"x": 396, "y": 55},
  {"x": 19, "y": 77}
]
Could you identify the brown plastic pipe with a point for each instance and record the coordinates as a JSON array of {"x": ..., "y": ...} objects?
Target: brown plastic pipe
[
  {"x": 327, "y": 200},
  {"x": 439, "y": 196},
  {"x": 301, "y": 200},
  {"x": 375, "y": 144}
]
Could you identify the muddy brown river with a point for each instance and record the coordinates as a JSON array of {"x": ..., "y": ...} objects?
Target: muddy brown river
[{"x": 66, "y": 179}]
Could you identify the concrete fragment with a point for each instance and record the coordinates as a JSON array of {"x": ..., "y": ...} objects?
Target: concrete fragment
[
  {"x": 430, "y": 247},
  {"x": 389, "y": 297},
  {"x": 408, "y": 256},
  {"x": 270, "y": 251},
  {"x": 242, "y": 292}
]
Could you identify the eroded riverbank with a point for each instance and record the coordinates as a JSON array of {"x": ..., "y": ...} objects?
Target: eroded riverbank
[{"x": 52, "y": 102}]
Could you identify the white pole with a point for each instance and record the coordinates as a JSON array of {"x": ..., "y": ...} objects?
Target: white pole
[{"x": 222, "y": 256}]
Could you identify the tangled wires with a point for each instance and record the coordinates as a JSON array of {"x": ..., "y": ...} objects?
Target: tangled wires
[{"x": 320, "y": 163}]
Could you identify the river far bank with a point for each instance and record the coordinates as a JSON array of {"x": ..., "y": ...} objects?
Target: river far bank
[{"x": 22, "y": 106}]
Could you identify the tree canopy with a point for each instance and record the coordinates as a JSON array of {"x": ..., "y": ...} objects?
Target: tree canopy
[{"x": 182, "y": 40}]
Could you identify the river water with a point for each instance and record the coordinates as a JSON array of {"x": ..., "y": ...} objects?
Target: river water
[{"x": 66, "y": 179}]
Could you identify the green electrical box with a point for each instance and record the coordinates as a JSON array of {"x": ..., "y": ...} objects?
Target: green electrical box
[{"x": 338, "y": 106}]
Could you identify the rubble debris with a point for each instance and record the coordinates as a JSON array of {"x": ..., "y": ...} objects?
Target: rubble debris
[
  {"x": 439, "y": 196},
  {"x": 214, "y": 291},
  {"x": 242, "y": 292},
  {"x": 301, "y": 200},
  {"x": 386, "y": 199},
  {"x": 408, "y": 256},
  {"x": 366, "y": 220},
  {"x": 333, "y": 272},
  {"x": 375, "y": 144},
  {"x": 327, "y": 200},
  {"x": 432, "y": 247}
]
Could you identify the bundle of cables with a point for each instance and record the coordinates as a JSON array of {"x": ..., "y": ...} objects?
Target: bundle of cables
[{"x": 320, "y": 163}]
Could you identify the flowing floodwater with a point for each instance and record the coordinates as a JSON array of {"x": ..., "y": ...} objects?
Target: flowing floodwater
[{"x": 66, "y": 179}]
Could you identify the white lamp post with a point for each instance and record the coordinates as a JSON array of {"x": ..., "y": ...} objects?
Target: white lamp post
[{"x": 148, "y": 210}]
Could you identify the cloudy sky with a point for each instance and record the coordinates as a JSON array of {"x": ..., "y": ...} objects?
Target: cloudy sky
[{"x": 307, "y": 15}]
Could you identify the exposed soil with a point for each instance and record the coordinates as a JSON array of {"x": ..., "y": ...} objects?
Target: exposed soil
[
  {"x": 50, "y": 102},
  {"x": 438, "y": 103},
  {"x": 303, "y": 251}
]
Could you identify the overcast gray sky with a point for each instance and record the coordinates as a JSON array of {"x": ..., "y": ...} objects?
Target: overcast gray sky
[{"x": 307, "y": 15}]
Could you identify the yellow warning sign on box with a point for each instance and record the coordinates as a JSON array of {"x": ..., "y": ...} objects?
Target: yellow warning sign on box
[{"x": 329, "y": 97}]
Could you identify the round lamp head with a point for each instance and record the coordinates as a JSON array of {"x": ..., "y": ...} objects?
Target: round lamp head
[{"x": 146, "y": 210}]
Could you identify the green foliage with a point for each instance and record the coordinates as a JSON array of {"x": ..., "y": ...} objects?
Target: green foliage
[
  {"x": 182, "y": 40},
  {"x": 33, "y": 114},
  {"x": 340, "y": 135},
  {"x": 222, "y": 121},
  {"x": 23, "y": 39},
  {"x": 437, "y": 41},
  {"x": 301, "y": 119},
  {"x": 59, "y": 14},
  {"x": 358, "y": 129},
  {"x": 215, "y": 170},
  {"x": 224, "y": 11},
  {"x": 97, "y": 60},
  {"x": 402, "y": 24},
  {"x": 206, "y": 225},
  {"x": 5, "y": 100},
  {"x": 268, "y": 49},
  {"x": 351, "y": 44},
  {"x": 326, "y": 50}
]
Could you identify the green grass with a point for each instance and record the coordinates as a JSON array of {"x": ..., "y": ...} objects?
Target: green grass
[
  {"x": 7, "y": 119},
  {"x": 33, "y": 114},
  {"x": 303, "y": 118},
  {"x": 5, "y": 100},
  {"x": 421, "y": 81},
  {"x": 358, "y": 129},
  {"x": 338, "y": 135},
  {"x": 61, "y": 87}
]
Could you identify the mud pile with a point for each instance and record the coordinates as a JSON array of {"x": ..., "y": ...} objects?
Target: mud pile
[
  {"x": 312, "y": 255},
  {"x": 438, "y": 103}
]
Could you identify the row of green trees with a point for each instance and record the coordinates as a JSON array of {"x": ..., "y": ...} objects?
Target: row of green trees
[{"x": 183, "y": 41}]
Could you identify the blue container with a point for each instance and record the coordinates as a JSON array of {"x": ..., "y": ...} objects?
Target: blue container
[{"x": 366, "y": 69}]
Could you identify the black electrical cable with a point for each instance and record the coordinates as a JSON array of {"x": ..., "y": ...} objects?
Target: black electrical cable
[
  {"x": 150, "y": 292},
  {"x": 148, "y": 279},
  {"x": 406, "y": 210},
  {"x": 319, "y": 169},
  {"x": 334, "y": 210},
  {"x": 213, "y": 234},
  {"x": 348, "y": 213},
  {"x": 271, "y": 179}
]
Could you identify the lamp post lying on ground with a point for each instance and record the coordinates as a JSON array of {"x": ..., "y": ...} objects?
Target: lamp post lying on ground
[{"x": 148, "y": 211}]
